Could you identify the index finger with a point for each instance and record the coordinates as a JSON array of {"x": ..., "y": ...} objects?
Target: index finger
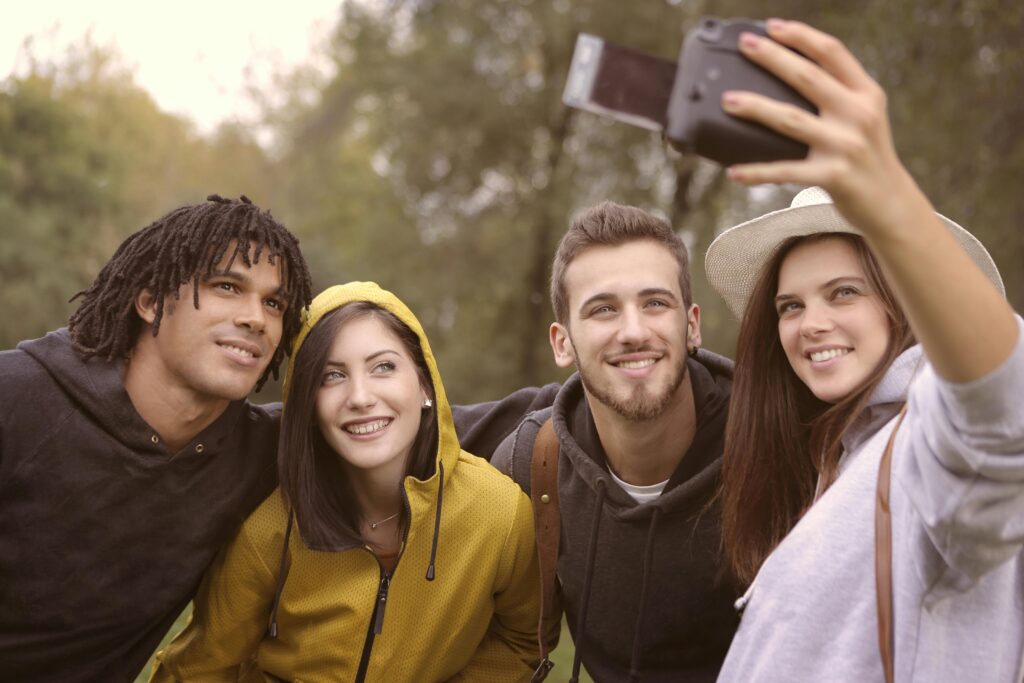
[{"x": 830, "y": 53}]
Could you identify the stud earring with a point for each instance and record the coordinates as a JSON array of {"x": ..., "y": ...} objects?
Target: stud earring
[{"x": 427, "y": 403}]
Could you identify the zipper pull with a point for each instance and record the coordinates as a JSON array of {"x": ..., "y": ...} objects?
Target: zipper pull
[{"x": 382, "y": 599}]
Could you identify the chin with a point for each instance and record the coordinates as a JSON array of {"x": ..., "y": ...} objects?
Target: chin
[
  {"x": 832, "y": 394},
  {"x": 233, "y": 391}
]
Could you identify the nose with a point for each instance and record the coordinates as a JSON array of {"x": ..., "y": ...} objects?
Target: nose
[
  {"x": 816, "y": 319},
  {"x": 251, "y": 314},
  {"x": 360, "y": 396},
  {"x": 633, "y": 330}
]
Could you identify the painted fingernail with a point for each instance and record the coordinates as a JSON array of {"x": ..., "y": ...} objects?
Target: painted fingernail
[
  {"x": 730, "y": 100},
  {"x": 749, "y": 41}
]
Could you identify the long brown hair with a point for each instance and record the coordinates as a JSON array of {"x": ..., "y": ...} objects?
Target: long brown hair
[
  {"x": 780, "y": 439},
  {"x": 313, "y": 480}
]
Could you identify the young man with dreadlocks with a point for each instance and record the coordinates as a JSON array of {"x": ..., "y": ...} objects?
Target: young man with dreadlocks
[{"x": 128, "y": 453}]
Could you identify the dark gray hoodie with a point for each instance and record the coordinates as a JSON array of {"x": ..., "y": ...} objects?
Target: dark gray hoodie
[
  {"x": 680, "y": 628},
  {"x": 104, "y": 533}
]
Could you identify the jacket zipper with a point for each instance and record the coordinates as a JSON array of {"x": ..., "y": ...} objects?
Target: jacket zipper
[
  {"x": 382, "y": 600},
  {"x": 376, "y": 623},
  {"x": 377, "y": 619}
]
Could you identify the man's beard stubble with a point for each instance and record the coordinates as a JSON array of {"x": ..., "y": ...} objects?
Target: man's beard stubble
[{"x": 641, "y": 405}]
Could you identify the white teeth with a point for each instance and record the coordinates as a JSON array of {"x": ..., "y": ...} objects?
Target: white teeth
[
  {"x": 819, "y": 356},
  {"x": 634, "y": 364},
  {"x": 368, "y": 427},
  {"x": 241, "y": 352}
]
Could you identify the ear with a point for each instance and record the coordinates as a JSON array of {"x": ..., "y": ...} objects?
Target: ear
[
  {"x": 425, "y": 392},
  {"x": 561, "y": 345},
  {"x": 693, "y": 339},
  {"x": 145, "y": 306}
]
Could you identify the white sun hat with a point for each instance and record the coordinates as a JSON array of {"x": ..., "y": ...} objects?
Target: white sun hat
[{"x": 735, "y": 259}]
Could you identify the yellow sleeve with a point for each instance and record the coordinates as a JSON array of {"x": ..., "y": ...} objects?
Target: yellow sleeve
[
  {"x": 509, "y": 652},
  {"x": 229, "y": 618}
]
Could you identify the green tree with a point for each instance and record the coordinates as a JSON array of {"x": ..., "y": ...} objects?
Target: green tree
[{"x": 86, "y": 158}]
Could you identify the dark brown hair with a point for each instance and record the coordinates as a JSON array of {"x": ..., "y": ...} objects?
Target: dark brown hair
[
  {"x": 313, "y": 480},
  {"x": 184, "y": 246},
  {"x": 611, "y": 224},
  {"x": 780, "y": 438}
]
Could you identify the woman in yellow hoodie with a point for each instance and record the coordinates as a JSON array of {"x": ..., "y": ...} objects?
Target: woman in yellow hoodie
[{"x": 387, "y": 553}]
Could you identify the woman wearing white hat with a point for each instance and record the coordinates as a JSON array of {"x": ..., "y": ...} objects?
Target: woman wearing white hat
[{"x": 876, "y": 550}]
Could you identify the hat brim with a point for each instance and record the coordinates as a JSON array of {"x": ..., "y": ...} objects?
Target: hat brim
[{"x": 734, "y": 260}]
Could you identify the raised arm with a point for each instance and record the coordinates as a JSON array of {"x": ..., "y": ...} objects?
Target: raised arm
[{"x": 947, "y": 298}]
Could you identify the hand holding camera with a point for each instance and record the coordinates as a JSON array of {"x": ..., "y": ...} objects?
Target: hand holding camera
[
  {"x": 851, "y": 151},
  {"x": 684, "y": 103},
  {"x": 778, "y": 102}
]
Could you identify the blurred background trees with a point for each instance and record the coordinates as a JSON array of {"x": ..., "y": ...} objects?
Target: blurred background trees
[{"x": 435, "y": 157}]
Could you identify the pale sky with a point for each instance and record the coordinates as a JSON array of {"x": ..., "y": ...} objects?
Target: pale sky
[{"x": 193, "y": 57}]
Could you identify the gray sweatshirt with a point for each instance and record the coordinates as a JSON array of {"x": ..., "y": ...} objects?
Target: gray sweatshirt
[{"x": 958, "y": 532}]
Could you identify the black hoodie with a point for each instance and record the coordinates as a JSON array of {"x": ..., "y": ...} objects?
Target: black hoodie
[
  {"x": 681, "y": 629},
  {"x": 104, "y": 533}
]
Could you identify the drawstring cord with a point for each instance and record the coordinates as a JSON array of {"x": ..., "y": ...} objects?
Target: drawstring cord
[
  {"x": 272, "y": 628},
  {"x": 281, "y": 574},
  {"x": 581, "y": 620},
  {"x": 634, "y": 673},
  {"x": 437, "y": 520}
]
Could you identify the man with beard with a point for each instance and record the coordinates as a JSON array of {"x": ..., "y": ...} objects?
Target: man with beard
[{"x": 639, "y": 431}]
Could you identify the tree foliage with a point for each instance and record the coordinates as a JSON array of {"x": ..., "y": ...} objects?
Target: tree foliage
[
  {"x": 436, "y": 158},
  {"x": 86, "y": 158}
]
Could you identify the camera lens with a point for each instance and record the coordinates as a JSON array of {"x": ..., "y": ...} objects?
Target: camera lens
[{"x": 710, "y": 30}]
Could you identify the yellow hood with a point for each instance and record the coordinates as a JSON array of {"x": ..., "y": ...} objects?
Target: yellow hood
[{"x": 337, "y": 296}]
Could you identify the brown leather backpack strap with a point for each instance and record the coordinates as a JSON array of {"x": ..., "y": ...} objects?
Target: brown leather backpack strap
[
  {"x": 547, "y": 525},
  {"x": 883, "y": 554}
]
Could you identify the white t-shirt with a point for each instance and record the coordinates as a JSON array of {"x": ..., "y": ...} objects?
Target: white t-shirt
[{"x": 641, "y": 494}]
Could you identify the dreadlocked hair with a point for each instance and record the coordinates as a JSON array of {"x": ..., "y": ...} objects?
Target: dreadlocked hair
[{"x": 184, "y": 246}]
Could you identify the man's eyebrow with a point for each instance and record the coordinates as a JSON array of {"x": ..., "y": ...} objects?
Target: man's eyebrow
[
  {"x": 658, "y": 291},
  {"x": 242, "y": 277},
  {"x": 608, "y": 296},
  {"x": 600, "y": 296}
]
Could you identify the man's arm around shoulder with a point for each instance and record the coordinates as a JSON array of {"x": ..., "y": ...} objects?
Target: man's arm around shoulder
[
  {"x": 481, "y": 427},
  {"x": 514, "y": 455}
]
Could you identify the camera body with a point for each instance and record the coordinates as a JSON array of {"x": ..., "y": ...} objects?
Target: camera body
[
  {"x": 634, "y": 87},
  {"x": 709, "y": 64}
]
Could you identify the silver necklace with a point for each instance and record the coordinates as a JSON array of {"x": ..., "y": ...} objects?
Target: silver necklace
[{"x": 374, "y": 525}]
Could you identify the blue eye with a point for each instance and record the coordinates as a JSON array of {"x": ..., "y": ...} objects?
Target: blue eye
[
  {"x": 383, "y": 367},
  {"x": 787, "y": 307},
  {"x": 845, "y": 292},
  {"x": 332, "y": 376}
]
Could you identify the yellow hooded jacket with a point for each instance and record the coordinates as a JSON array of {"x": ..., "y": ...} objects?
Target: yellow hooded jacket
[{"x": 474, "y": 621}]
